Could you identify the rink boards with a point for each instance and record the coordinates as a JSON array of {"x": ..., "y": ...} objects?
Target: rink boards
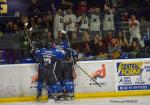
[
  {"x": 130, "y": 77},
  {"x": 127, "y": 77}
]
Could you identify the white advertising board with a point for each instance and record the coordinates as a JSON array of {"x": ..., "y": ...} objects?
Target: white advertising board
[
  {"x": 102, "y": 71},
  {"x": 133, "y": 75},
  {"x": 112, "y": 75},
  {"x": 15, "y": 80}
]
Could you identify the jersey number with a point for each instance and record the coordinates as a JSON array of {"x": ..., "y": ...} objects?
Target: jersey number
[{"x": 47, "y": 60}]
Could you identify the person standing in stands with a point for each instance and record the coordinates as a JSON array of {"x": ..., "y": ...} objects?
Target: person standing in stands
[
  {"x": 70, "y": 23},
  {"x": 82, "y": 7},
  {"x": 58, "y": 23},
  {"x": 95, "y": 23},
  {"x": 108, "y": 21},
  {"x": 83, "y": 24},
  {"x": 134, "y": 29}
]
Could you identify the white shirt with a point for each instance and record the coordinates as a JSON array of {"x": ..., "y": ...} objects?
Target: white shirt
[
  {"x": 72, "y": 26},
  {"x": 58, "y": 24},
  {"x": 84, "y": 22},
  {"x": 94, "y": 22},
  {"x": 108, "y": 22},
  {"x": 134, "y": 30}
]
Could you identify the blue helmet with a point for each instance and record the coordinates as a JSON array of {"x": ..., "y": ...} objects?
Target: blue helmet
[{"x": 64, "y": 44}]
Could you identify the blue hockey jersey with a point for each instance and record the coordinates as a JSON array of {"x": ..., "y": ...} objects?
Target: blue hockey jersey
[
  {"x": 69, "y": 51},
  {"x": 49, "y": 56}
]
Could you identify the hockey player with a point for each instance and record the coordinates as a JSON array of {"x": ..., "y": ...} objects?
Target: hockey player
[
  {"x": 48, "y": 58},
  {"x": 69, "y": 73},
  {"x": 64, "y": 69}
]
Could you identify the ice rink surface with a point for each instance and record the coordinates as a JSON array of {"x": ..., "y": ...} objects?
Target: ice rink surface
[{"x": 144, "y": 100}]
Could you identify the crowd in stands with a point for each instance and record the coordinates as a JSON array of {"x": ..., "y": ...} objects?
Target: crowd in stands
[{"x": 92, "y": 29}]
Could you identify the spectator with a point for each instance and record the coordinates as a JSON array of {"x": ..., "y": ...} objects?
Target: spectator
[
  {"x": 66, "y": 4},
  {"x": 134, "y": 29},
  {"x": 58, "y": 23},
  {"x": 108, "y": 39},
  {"x": 125, "y": 46},
  {"x": 83, "y": 24},
  {"x": 120, "y": 38},
  {"x": 15, "y": 28},
  {"x": 74, "y": 38},
  {"x": 70, "y": 22},
  {"x": 12, "y": 27},
  {"x": 122, "y": 41},
  {"x": 95, "y": 23},
  {"x": 134, "y": 49},
  {"x": 108, "y": 21},
  {"x": 97, "y": 38},
  {"x": 98, "y": 46},
  {"x": 60, "y": 37},
  {"x": 125, "y": 17},
  {"x": 82, "y": 7},
  {"x": 86, "y": 44},
  {"x": 49, "y": 38},
  {"x": 114, "y": 49},
  {"x": 35, "y": 21}
]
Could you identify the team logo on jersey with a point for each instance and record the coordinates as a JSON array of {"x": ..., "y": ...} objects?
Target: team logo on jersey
[{"x": 94, "y": 20}]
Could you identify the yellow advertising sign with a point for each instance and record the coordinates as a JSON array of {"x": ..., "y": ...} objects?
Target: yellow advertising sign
[
  {"x": 129, "y": 68},
  {"x": 3, "y": 6}
]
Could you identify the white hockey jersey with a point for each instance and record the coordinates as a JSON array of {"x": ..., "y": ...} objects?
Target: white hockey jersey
[
  {"x": 58, "y": 24},
  {"x": 84, "y": 22},
  {"x": 108, "y": 21},
  {"x": 94, "y": 22},
  {"x": 72, "y": 25}
]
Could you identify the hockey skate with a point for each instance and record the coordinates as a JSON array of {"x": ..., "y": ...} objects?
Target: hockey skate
[
  {"x": 58, "y": 97},
  {"x": 38, "y": 97},
  {"x": 69, "y": 96}
]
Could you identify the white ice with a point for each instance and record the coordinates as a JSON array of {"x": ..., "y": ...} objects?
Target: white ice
[{"x": 144, "y": 100}]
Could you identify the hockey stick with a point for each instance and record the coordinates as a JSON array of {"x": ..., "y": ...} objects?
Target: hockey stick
[
  {"x": 27, "y": 32},
  {"x": 78, "y": 65},
  {"x": 27, "y": 35},
  {"x": 88, "y": 75}
]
